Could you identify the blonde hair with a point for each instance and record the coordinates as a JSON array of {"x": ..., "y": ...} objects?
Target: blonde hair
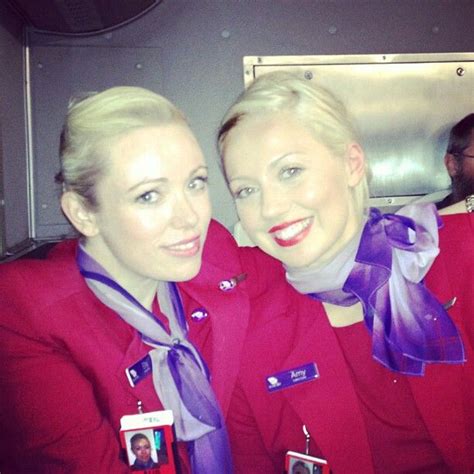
[
  {"x": 312, "y": 105},
  {"x": 92, "y": 123}
]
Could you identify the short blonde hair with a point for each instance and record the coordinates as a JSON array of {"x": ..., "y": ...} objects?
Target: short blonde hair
[
  {"x": 94, "y": 122},
  {"x": 311, "y": 104}
]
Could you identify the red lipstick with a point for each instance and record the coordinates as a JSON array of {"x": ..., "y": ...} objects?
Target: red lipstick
[{"x": 290, "y": 238}]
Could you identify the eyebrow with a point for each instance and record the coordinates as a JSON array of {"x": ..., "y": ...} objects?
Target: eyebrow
[
  {"x": 277, "y": 160},
  {"x": 164, "y": 180},
  {"x": 273, "y": 164}
]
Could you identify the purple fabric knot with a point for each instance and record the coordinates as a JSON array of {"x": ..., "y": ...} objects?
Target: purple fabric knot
[
  {"x": 197, "y": 401},
  {"x": 180, "y": 376},
  {"x": 409, "y": 325}
]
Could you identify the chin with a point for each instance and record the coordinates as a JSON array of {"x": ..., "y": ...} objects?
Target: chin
[
  {"x": 295, "y": 263},
  {"x": 299, "y": 259},
  {"x": 186, "y": 274}
]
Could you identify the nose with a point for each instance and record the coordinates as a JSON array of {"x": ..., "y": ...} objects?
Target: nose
[
  {"x": 273, "y": 202},
  {"x": 183, "y": 212}
]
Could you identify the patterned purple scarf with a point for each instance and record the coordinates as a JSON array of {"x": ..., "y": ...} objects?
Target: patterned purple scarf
[
  {"x": 383, "y": 269},
  {"x": 180, "y": 376}
]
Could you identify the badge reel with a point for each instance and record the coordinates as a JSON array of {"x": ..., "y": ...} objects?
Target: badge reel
[{"x": 304, "y": 463}]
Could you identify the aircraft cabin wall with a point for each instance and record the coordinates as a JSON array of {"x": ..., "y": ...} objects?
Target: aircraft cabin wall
[
  {"x": 191, "y": 52},
  {"x": 14, "y": 228}
]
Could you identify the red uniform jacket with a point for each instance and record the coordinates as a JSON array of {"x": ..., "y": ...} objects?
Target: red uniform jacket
[
  {"x": 63, "y": 356},
  {"x": 288, "y": 330}
]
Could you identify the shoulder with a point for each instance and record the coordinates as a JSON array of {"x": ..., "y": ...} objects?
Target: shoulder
[
  {"x": 65, "y": 249},
  {"x": 457, "y": 226},
  {"x": 451, "y": 277},
  {"x": 456, "y": 248},
  {"x": 265, "y": 273},
  {"x": 456, "y": 240},
  {"x": 31, "y": 283},
  {"x": 222, "y": 251},
  {"x": 220, "y": 248}
]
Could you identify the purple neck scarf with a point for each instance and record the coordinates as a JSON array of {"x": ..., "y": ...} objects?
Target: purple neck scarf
[
  {"x": 383, "y": 269},
  {"x": 180, "y": 376}
]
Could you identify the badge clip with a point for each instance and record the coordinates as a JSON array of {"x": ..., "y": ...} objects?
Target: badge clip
[{"x": 307, "y": 438}]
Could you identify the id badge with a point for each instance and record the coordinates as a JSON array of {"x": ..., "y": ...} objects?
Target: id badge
[
  {"x": 148, "y": 440},
  {"x": 299, "y": 463}
]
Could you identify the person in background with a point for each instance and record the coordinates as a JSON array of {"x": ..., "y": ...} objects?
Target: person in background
[
  {"x": 130, "y": 315},
  {"x": 372, "y": 355},
  {"x": 459, "y": 162}
]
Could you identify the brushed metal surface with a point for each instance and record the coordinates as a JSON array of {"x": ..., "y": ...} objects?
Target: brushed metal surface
[{"x": 403, "y": 105}]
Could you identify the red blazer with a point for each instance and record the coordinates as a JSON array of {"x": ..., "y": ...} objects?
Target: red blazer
[
  {"x": 288, "y": 330},
  {"x": 63, "y": 356}
]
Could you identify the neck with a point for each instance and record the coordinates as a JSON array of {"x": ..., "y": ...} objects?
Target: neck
[
  {"x": 141, "y": 288},
  {"x": 328, "y": 275},
  {"x": 144, "y": 291},
  {"x": 341, "y": 316}
]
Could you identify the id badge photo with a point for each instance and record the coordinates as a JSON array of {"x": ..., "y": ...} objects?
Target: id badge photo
[{"x": 148, "y": 441}]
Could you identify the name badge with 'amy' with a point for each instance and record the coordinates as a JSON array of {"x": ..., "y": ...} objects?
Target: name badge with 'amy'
[{"x": 289, "y": 378}]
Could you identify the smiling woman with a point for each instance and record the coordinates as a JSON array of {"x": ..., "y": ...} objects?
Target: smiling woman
[
  {"x": 370, "y": 324},
  {"x": 275, "y": 167},
  {"x": 122, "y": 300},
  {"x": 154, "y": 209}
]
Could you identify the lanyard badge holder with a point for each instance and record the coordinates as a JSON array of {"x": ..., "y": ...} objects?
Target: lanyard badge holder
[
  {"x": 148, "y": 439},
  {"x": 304, "y": 463}
]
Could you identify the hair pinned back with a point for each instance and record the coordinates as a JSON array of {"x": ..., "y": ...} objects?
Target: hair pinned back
[
  {"x": 315, "y": 107},
  {"x": 94, "y": 121}
]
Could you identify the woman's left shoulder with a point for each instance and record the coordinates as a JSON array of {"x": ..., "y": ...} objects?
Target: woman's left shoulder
[
  {"x": 219, "y": 239},
  {"x": 223, "y": 252},
  {"x": 457, "y": 229},
  {"x": 220, "y": 257}
]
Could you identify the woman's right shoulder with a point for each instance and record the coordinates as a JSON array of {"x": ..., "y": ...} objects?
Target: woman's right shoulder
[{"x": 56, "y": 274}]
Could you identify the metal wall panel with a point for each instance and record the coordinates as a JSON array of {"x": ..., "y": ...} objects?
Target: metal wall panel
[
  {"x": 2, "y": 201},
  {"x": 14, "y": 215},
  {"x": 403, "y": 105},
  {"x": 58, "y": 74},
  {"x": 198, "y": 48}
]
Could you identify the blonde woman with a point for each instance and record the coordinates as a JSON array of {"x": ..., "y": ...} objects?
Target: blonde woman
[
  {"x": 373, "y": 354},
  {"x": 131, "y": 315}
]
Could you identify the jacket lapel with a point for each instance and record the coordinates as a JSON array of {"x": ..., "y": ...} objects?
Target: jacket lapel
[
  {"x": 439, "y": 393},
  {"x": 143, "y": 390},
  {"x": 229, "y": 313},
  {"x": 328, "y": 405}
]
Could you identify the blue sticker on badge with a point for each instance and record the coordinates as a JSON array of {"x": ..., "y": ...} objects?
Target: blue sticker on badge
[
  {"x": 289, "y": 378},
  {"x": 138, "y": 371}
]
